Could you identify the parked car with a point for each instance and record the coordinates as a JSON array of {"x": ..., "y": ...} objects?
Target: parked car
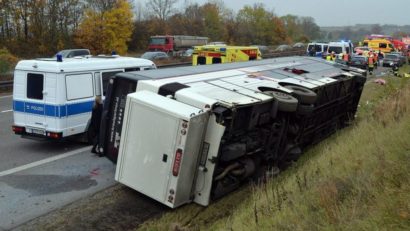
[
  {"x": 298, "y": 45},
  {"x": 391, "y": 58},
  {"x": 361, "y": 50},
  {"x": 283, "y": 48},
  {"x": 188, "y": 53},
  {"x": 262, "y": 48},
  {"x": 401, "y": 56},
  {"x": 359, "y": 61},
  {"x": 155, "y": 55},
  {"x": 70, "y": 53}
]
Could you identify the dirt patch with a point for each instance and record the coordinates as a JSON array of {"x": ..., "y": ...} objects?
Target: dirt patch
[{"x": 117, "y": 208}]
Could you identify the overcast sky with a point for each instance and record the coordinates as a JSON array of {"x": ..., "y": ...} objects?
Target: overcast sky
[{"x": 330, "y": 12}]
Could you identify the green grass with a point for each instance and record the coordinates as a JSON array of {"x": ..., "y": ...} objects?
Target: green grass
[{"x": 358, "y": 179}]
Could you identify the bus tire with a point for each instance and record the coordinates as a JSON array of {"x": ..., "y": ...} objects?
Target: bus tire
[
  {"x": 304, "y": 95},
  {"x": 286, "y": 102}
]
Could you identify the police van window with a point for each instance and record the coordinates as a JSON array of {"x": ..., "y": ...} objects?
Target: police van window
[
  {"x": 97, "y": 83},
  {"x": 132, "y": 69},
  {"x": 106, "y": 77},
  {"x": 35, "y": 84},
  {"x": 347, "y": 50},
  {"x": 325, "y": 48},
  {"x": 79, "y": 86},
  {"x": 382, "y": 45}
]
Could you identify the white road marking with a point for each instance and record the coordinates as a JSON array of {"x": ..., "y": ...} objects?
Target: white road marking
[
  {"x": 6, "y": 96},
  {"x": 44, "y": 161},
  {"x": 6, "y": 111}
]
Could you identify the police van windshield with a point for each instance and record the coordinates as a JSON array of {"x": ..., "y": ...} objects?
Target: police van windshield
[{"x": 337, "y": 50}]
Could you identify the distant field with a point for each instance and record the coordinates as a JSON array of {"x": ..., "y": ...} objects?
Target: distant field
[{"x": 358, "y": 179}]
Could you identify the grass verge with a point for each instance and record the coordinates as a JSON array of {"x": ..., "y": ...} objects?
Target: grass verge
[{"x": 358, "y": 179}]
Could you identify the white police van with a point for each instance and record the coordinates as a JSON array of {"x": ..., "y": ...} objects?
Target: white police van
[{"x": 53, "y": 98}]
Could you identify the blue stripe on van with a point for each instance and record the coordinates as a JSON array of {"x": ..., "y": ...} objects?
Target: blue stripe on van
[{"x": 52, "y": 110}]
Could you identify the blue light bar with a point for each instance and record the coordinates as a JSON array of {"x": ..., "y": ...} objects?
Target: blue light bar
[{"x": 59, "y": 57}]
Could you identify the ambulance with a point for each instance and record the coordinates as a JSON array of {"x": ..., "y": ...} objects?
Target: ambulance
[
  {"x": 212, "y": 54},
  {"x": 382, "y": 45},
  {"x": 53, "y": 98}
]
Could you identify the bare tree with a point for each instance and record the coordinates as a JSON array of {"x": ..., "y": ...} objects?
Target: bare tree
[{"x": 161, "y": 9}]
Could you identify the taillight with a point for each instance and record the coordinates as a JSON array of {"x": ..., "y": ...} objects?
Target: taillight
[
  {"x": 177, "y": 162},
  {"x": 18, "y": 129},
  {"x": 54, "y": 135}
]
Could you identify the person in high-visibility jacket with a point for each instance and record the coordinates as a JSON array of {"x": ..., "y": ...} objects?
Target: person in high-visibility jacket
[
  {"x": 333, "y": 56},
  {"x": 328, "y": 57},
  {"x": 376, "y": 60},
  {"x": 346, "y": 58},
  {"x": 370, "y": 63}
]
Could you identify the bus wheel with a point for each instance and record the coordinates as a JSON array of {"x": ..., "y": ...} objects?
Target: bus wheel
[
  {"x": 286, "y": 102},
  {"x": 304, "y": 95}
]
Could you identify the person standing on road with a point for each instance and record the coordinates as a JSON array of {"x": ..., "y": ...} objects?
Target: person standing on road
[
  {"x": 346, "y": 58},
  {"x": 95, "y": 122},
  {"x": 371, "y": 63},
  {"x": 312, "y": 51},
  {"x": 375, "y": 60}
]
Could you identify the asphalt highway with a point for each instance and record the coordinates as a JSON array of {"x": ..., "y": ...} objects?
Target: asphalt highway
[{"x": 37, "y": 177}]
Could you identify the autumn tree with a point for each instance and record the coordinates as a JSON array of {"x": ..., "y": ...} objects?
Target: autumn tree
[
  {"x": 161, "y": 9},
  {"x": 292, "y": 26},
  {"x": 256, "y": 25},
  {"x": 309, "y": 27},
  {"x": 103, "y": 32}
]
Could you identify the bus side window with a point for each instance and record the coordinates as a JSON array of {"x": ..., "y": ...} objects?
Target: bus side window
[
  {"x": 97, "y": 83},
  {"x": 106, "y": 77},
  {"x": 382, "y": 45}
]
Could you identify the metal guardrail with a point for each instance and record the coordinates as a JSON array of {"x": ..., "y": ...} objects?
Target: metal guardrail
[{"x": 4, "y": 84}]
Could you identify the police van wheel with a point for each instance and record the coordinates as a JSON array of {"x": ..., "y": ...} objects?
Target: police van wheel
[
  {"x": 286, "y": 102},
  {"x": 304, "y": 95}
]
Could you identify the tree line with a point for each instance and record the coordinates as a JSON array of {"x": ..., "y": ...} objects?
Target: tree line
[{"x": 32, "y": 28}]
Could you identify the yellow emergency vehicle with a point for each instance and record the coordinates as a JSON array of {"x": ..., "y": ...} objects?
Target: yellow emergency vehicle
[
  {"x": 383, "y": 45},
  {"x": 211, "y": 54}
]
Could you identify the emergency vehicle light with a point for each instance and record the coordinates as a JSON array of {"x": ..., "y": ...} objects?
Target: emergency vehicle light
[
  {"x": 59, "y": 57},
  {"x": 222, "y": 49}
]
